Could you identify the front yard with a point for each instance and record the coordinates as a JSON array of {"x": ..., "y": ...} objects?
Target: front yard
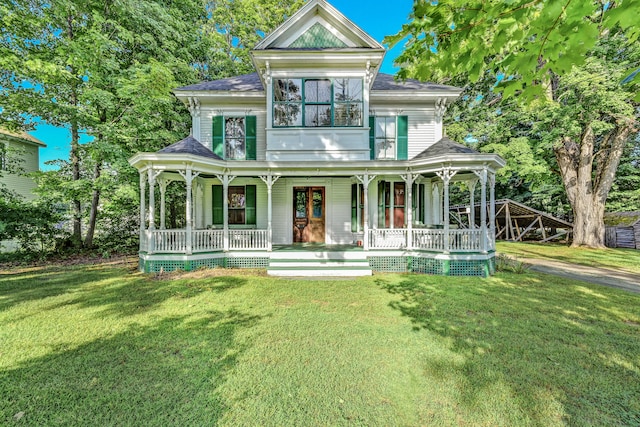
[{"x": 104, "y": 345}]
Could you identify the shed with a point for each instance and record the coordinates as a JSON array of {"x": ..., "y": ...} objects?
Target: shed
[{"x": 622, "y": 230}]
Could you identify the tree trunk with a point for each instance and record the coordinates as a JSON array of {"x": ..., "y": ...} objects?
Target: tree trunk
[
  {"x": 88, "y": 242},
  {"x": 588, "y": 191},
  {"x": 75, "y": 170}
]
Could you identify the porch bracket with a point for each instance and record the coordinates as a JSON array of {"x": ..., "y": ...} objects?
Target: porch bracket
[{"x": 365, "y": 180}]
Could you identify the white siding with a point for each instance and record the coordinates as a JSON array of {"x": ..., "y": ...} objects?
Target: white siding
[
  {"x": 422, "y": 131},
  {"x": 339, "y": 228},
  {"x": 26, "y": 158}
]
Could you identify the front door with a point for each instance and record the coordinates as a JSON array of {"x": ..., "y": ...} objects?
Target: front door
[{"x": 308, "y": 214}]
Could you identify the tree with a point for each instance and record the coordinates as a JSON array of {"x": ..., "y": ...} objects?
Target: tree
[
  {"x": 573, "y": 62},
  {"x": 107, "y": 68}
]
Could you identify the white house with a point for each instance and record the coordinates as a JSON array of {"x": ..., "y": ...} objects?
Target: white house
[{"x": 317, "y": 164}]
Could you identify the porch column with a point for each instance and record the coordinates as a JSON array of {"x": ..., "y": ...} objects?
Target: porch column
[
  {"x": 409, "y": 179},
  {"x": 428, "y": 214},
  {"x": 269, "y": 180},
  {"x": 482, "y": 174},
  {"x": 365, "y": 180},
  {"x": 225, "y": 179},
  {"x": 492, "y": 209},
  {"x": 143, "y": 210},
  {"x": 189, "y": 176},
  {"x": 151, "y": 176},
  {"x": 162, "y": 184},
  {"x": 472, "y": 203},
  {"x": 445, "y": 175}
]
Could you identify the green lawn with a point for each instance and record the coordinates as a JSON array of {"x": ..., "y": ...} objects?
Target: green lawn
[
  {"x": 104, "y": 345},
  {"x": 623, "y": 259}
]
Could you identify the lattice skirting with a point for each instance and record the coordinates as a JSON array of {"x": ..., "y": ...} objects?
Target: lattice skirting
[
  {"x": 434, "y": 266},
  {"x": 155, "y": 266}
]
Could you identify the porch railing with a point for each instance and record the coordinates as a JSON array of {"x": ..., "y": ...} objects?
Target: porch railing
[
  {"x": 430, "y": 240},
  {"x": 168, "y": 241},
  {"x": 248, "y": 239},
  {"x": 207, "y": 240},
  {"x": 386, "y": 238}
]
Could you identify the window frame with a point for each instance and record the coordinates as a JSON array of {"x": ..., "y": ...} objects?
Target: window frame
[
  {"x": 302, "y": 103},
  {"x": 384, "y": 137},
  {"x": 226, "y": 139}
]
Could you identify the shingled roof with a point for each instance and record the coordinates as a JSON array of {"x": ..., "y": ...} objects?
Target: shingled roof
[
  {"x": 190, "y": 145},
  {"x": 251, "y": 83},
  {"x": 443, "y": 147}
]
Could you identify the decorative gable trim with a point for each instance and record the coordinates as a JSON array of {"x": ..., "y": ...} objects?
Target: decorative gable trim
[
  {"x": 300, "y": 21},
  {"x": 317, "y": 37}
]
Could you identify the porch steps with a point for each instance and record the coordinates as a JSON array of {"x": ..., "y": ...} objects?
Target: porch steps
[{"x": 318, "y": 264}]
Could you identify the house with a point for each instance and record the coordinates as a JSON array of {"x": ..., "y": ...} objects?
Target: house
[
  {"x": 316, "y": 164},
  {"x": 19, "y": 155}
]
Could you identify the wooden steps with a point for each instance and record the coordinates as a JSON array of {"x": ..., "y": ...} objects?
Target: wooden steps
[{"x": 318, "y": 264}]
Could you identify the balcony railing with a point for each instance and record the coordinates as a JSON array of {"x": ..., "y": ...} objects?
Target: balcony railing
[{"x": 434, "y": 240}]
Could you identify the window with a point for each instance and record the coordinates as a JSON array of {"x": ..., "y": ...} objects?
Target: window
[
  {"x": 234, "y": 137},
  {"x": 391, "y": 209},
  {"x": 388, "y": 137},
  {"x": 385, "y": 137},
  {"x": 317, "y": 102},
  {"x": 357, "y": 207},
  {"x": 241, "y": 203}
]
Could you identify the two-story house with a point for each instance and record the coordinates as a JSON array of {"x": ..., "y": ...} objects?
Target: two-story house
[{"x": 317, "y": 163}]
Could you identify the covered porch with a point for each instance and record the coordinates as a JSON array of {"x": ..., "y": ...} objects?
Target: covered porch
[{"x": 398, "y": 209}]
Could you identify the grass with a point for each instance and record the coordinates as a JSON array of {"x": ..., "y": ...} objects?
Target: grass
[
  {"x": 621, "y": 259},
  {"x": 104, "y": 345}
]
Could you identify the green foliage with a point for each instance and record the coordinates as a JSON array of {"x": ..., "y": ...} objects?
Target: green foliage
[
  {"x": 33, "y": 224},
  {"x": 517, "y": 38}
]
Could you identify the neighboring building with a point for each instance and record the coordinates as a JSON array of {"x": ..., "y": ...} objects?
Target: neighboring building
[
  {"x": 19, "y": 155},
  {"x": 317, "y": 164}
]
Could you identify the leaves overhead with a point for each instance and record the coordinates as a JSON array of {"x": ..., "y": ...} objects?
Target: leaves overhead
[{"x": 526, "y": 39}]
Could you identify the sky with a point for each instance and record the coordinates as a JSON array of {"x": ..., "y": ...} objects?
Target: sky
[{"x": 378, "y": 18}]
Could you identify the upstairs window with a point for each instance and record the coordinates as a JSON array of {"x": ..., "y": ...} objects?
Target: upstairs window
[
  {"x": 317, "y": 102},
  {"x": 234, "y": 137},
  {"x": 388, "y": 137}
]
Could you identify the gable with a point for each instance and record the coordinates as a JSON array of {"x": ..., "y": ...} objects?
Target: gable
[{"x": 318, "y": 25}]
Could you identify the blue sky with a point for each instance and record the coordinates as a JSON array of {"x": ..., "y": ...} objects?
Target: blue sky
[{"x": 376, "y": 17}]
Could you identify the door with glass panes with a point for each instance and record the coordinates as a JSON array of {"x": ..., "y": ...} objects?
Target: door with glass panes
[{"x": 308, "y": 215}]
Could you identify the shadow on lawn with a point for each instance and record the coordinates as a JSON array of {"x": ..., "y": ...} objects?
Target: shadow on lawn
[
  {"x": 117, "y": 290},
  {"x": 166, "y": 374},
  {"x": 549, "y": 342}
]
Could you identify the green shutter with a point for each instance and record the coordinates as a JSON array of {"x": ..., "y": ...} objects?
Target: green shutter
[
  {"x": 381, "y": 201},
  {"x": 218, "y": 136},
  {"x": 250, "y": 123},
  {"x": 250, "y": 204},
  {"x": 421, "y": 210},
  {"x": 372, "y": 137},
  {"x": 403, "y": 145},
  {"x": 217, "y": 209},
  {"x": 414, "y": 203},
  {"x": 354, "y": 208}
]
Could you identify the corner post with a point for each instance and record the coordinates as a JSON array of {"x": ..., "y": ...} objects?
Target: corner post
[
  {"x": 269, "y": 180},
  {"x": 492, "y": 209},
  {"x": 445, "y": 175},
  {"x": 143, "y": 211},
  {"x": 365, "y": 180}
]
